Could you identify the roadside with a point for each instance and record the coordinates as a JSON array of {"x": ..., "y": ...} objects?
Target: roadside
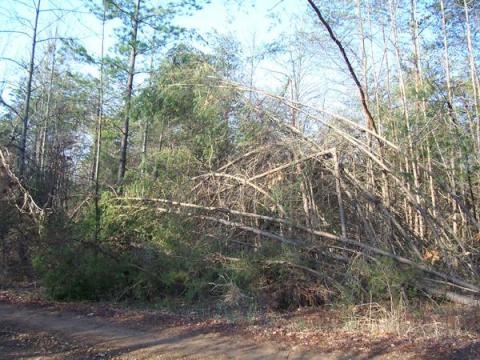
[
  {"x": 31, "y": 327},
  {"x": 51, "y": 334}
]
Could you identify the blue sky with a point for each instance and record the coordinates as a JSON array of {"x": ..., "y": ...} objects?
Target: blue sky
[
  {"x": 249, "y": 21},
  {"x": 246, "y": 20}
]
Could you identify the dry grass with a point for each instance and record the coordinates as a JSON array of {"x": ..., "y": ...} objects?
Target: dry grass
[{"x": 424, "y": 321}]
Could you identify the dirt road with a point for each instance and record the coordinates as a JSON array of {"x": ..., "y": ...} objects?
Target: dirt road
[
  {"x": 72, "y": 331},
  {"x": 37, "y": 333}
]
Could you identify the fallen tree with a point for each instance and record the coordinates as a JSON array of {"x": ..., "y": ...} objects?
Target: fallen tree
[
  {"x": 367, "y": 249},
  {"x": 12, "y": 189}
]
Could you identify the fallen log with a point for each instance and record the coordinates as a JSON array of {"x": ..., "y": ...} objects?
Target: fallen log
[
  {"x": 454, "y": 297},
  {"x": 344, "y": 240}
]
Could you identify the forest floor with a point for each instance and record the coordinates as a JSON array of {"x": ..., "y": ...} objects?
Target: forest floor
[{"x": 34, "y": 328}]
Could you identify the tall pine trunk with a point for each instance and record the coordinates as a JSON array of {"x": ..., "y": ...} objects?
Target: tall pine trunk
[
  {"x": 28, "y": 96},
  {"x": 131, "y": 73}
]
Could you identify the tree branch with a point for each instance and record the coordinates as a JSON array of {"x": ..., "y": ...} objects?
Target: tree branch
[{"x": 370, "y": 121}]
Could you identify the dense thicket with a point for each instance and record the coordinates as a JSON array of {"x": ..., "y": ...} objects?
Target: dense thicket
[{"x": 192, "y": 183}]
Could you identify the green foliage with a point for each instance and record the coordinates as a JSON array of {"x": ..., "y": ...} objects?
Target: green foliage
[
  {"x": 74, "y": 272},
  {"x": 168, "y": 173},
  {"x": 185, "y": 106},
  {"x": 146, "y": 256},
  {"x": 138, "y": 256},
  {"x": 380, "y": 281}
]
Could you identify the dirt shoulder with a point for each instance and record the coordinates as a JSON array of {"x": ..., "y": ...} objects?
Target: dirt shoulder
[
  {"x": 50, "y": 334},
  {"x": 31, "y": 327}
]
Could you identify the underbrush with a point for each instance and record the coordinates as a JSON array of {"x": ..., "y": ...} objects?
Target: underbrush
[
  {"x": 145, "y": 255},
  {"x": 194, "y": 275}
]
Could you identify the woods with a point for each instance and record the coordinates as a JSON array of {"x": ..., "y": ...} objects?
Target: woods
[{"x": 335, "y": 164}]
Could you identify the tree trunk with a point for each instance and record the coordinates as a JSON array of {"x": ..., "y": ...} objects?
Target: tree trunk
[
  {"x": 131, "y": 73},
  {"x": 473, "y": 73},
  {"x": 98, "y": 144},
  {"x": 363, "y": 96},
  {"x": 28, "y": 95},
  {"x": 43, "y": 145}
]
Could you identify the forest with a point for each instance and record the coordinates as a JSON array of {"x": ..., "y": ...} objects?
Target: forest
[{"x": 337, "y": 162}]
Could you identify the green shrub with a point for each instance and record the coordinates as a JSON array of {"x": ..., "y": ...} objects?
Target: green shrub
[
  {"x": 379, "y": 281},
  {"x": 75, "y": 272}
]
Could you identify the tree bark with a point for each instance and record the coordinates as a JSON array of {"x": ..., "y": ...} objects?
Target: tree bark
[
  {"x": 131, "y": 73},
  {"x": 98, "y": 144},
  {"x": 28, "y": 95},
  {"x": 473, "y": 73}
]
